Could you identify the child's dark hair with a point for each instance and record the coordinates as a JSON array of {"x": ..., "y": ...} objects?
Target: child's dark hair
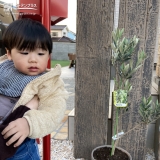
[{"x": 27, "y": 34}]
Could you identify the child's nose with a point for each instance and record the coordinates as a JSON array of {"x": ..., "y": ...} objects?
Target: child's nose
[{"x": 32, "y": 59}]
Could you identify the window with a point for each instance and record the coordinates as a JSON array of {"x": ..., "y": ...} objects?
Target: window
[{"x": 54, "y": 34}]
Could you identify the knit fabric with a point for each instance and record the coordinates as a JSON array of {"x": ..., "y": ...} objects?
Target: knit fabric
[{"x": 12, "y": 82}]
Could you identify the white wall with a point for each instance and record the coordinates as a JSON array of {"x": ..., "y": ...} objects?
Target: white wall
[
  {"x": 64, "y": 31},
  {"x": 59, "y": 32}
]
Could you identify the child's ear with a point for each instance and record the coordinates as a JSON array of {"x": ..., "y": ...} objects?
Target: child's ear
[
  {"x": 49, "y": 56},
  {"x": 8, "y": 54}
]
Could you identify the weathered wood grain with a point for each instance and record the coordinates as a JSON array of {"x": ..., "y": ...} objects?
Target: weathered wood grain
[
  {"x": 138, "y": 17},
  {"x": 93, "y": 53}
]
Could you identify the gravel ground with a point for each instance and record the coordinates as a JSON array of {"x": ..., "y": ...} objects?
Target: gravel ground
[
  {"x": 63, "y": 150},
  {"x": 60, "y": 150},
  {"x": 150, "y": 155}
]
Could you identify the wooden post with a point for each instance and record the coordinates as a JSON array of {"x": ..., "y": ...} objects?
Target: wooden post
[
  {"x": 93, "y": 54},
  {"x": 138, "y": 17}
]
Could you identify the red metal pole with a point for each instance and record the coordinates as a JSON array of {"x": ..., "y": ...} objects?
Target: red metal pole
[{"x": 46, "y": 21}]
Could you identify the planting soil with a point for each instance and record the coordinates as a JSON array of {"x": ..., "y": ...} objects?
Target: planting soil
[{"x": 105, "y": 154}]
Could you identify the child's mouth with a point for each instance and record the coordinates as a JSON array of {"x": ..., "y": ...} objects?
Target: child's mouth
[{"x": 33, "y": 69}]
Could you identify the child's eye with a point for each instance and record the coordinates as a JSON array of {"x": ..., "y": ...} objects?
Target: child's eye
[
  {"x": 41, "y": 54},
  {"x": 24, "y": 53}
]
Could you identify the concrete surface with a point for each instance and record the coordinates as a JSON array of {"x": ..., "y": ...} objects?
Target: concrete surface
[{"x": 61, "y": 133}]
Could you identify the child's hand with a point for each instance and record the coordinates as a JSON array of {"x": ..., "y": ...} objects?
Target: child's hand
[
  {"x": 33, "y": 103},
  {"x": 19, "y": 129}
]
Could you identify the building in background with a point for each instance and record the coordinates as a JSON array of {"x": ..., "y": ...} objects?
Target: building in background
[
  {"x": 62, "y": 30},
  {"x": 64, "y": 42},
  {"x": 59, "y": 30}
]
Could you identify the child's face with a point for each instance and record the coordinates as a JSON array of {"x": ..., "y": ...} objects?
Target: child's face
[{"x": 29, "y": 62}]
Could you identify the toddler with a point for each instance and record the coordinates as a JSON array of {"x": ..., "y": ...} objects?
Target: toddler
[{"x": 24, "y": 78}]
